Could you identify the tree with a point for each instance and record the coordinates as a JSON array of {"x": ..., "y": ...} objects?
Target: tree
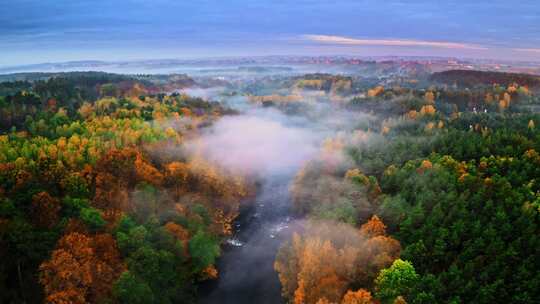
[
  {"x": 287, "y": 266},
  {"x": 203, "y": 250},
  {"x": 176, "y": 176},
  {"x": 323, "y": 301},
  {"x": 326, "y": 259},
  {"x": 86, "y": 110},
  {"x": 180, "y": 233},
  {"x": 71, "y": 296},
  {"x": 75, "y": 185},
  {"x": 397, "y": 280},
  {"x": 81, "y": 267},
  {"x": 45, "y": 210},
  {"x": 160, "y": 270},
  {"x": 147, "y": 172},
  {"x": 130, "y": 289},
  {"x": 93, "y": 218},
  {"x": 504, "y": 103},
  {"x": 107, "y": 266},
  {"x": 69, "y": 270},
  {"x": 427, "y": 110},
  {"x": 314, "y": 278},
  {"x": 429, "y": 97},
  {"x": 360, "y": 296},
  {"x": 376, "y": 91},
  {"x": 374, "y": 227},
  {"x": 318, "y": 278}
]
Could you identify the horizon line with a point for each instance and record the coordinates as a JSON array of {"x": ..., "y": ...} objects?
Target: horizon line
[{"x": 455, "y": 57}]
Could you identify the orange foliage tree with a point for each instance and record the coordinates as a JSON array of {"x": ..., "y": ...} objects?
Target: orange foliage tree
[
  {"x": 176, "y": 176},
  {"x": 323, "y": 262},
  {"x": 427, "y": 110},
  {"x": 81, "y": 269},
  {"x": 117, "y": 172},
  {"x": 361, "y": 296},
  {"x": 374, "y": 227}
]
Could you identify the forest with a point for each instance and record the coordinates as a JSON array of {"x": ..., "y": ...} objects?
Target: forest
[
  {"x": 90, "y": 211},
  {"x": 427, "y": 192}
]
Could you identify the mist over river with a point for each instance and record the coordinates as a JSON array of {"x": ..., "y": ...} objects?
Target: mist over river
[{"x": 273, "y": 147}]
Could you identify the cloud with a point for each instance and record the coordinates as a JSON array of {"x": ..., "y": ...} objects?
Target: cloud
[
  {"x": 527, "y": 50},
  {"x": 329, "y": 39},
  {"x": 258, "y": 142}
]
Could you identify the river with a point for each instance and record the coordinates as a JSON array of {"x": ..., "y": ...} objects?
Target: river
[
  {"x": 246, "y": 265},
  {"x": 273, "y": 146}
]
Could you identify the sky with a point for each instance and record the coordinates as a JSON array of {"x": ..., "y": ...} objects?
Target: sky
[{"x": 37, "y": 31}]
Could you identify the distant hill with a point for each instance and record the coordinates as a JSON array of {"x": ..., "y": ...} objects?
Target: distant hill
[
  {"x": 70, "y": 88},
  {"x": 475, "y": 78},
  {"x": 100, "y": 77},
  {"x": 37, "y": 76}
]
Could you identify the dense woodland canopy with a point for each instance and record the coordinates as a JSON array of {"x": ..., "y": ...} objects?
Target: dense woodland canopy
[
  {"x": 458, "y": 190},
  {"x": 88, "y": 212},
  {"x": 435, "y": 199}
]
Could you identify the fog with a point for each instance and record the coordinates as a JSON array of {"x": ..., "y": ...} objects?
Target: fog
[
  {"x": 257, "y": 143},
  {"x": 269, "y": 145}
]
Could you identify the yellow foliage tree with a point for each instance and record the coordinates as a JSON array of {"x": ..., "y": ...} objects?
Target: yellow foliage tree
[
  {"x": 429, "y": 126},
  {"x": 440, "y": 125},
  {"x": 504, "y": 103},
  {"x": 429, "y": 97}
]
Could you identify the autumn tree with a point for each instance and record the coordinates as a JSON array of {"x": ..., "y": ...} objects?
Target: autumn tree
[
  {"x": 374, "y": 227},
  {"x": 45, "y": 210},
  {"x": 360, "y": 296},
  {"x": 146, "y": 172},
  {"x": 329, "y": 257},
  {"x": 176, "y": 177},
  {"x": 376, "y": 91},
  {"x": 180, "y": 233},
  {"x": 427, "y": 110},
  {"x": 379, "y": 252},
  {"x": 118, "y": 172},
  {"x": 81, "y": 267},
  {"x": 318, "y": 278},
  {"x": 504, "y": 103}
]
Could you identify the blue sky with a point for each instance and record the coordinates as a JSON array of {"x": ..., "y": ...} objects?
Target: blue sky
[{"x": 33, "y": 31}]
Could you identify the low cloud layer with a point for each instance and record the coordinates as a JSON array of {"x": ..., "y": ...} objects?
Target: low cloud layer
[
  {"x": 329, "y": 39},
  {"x": 257, "y": 142}
]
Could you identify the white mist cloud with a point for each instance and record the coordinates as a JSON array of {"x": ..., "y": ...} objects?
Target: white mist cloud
[
  {"x": 260, "y": 142},
  {"x": 205, "y": 93},
  {"x": 330, "y": 39}
]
